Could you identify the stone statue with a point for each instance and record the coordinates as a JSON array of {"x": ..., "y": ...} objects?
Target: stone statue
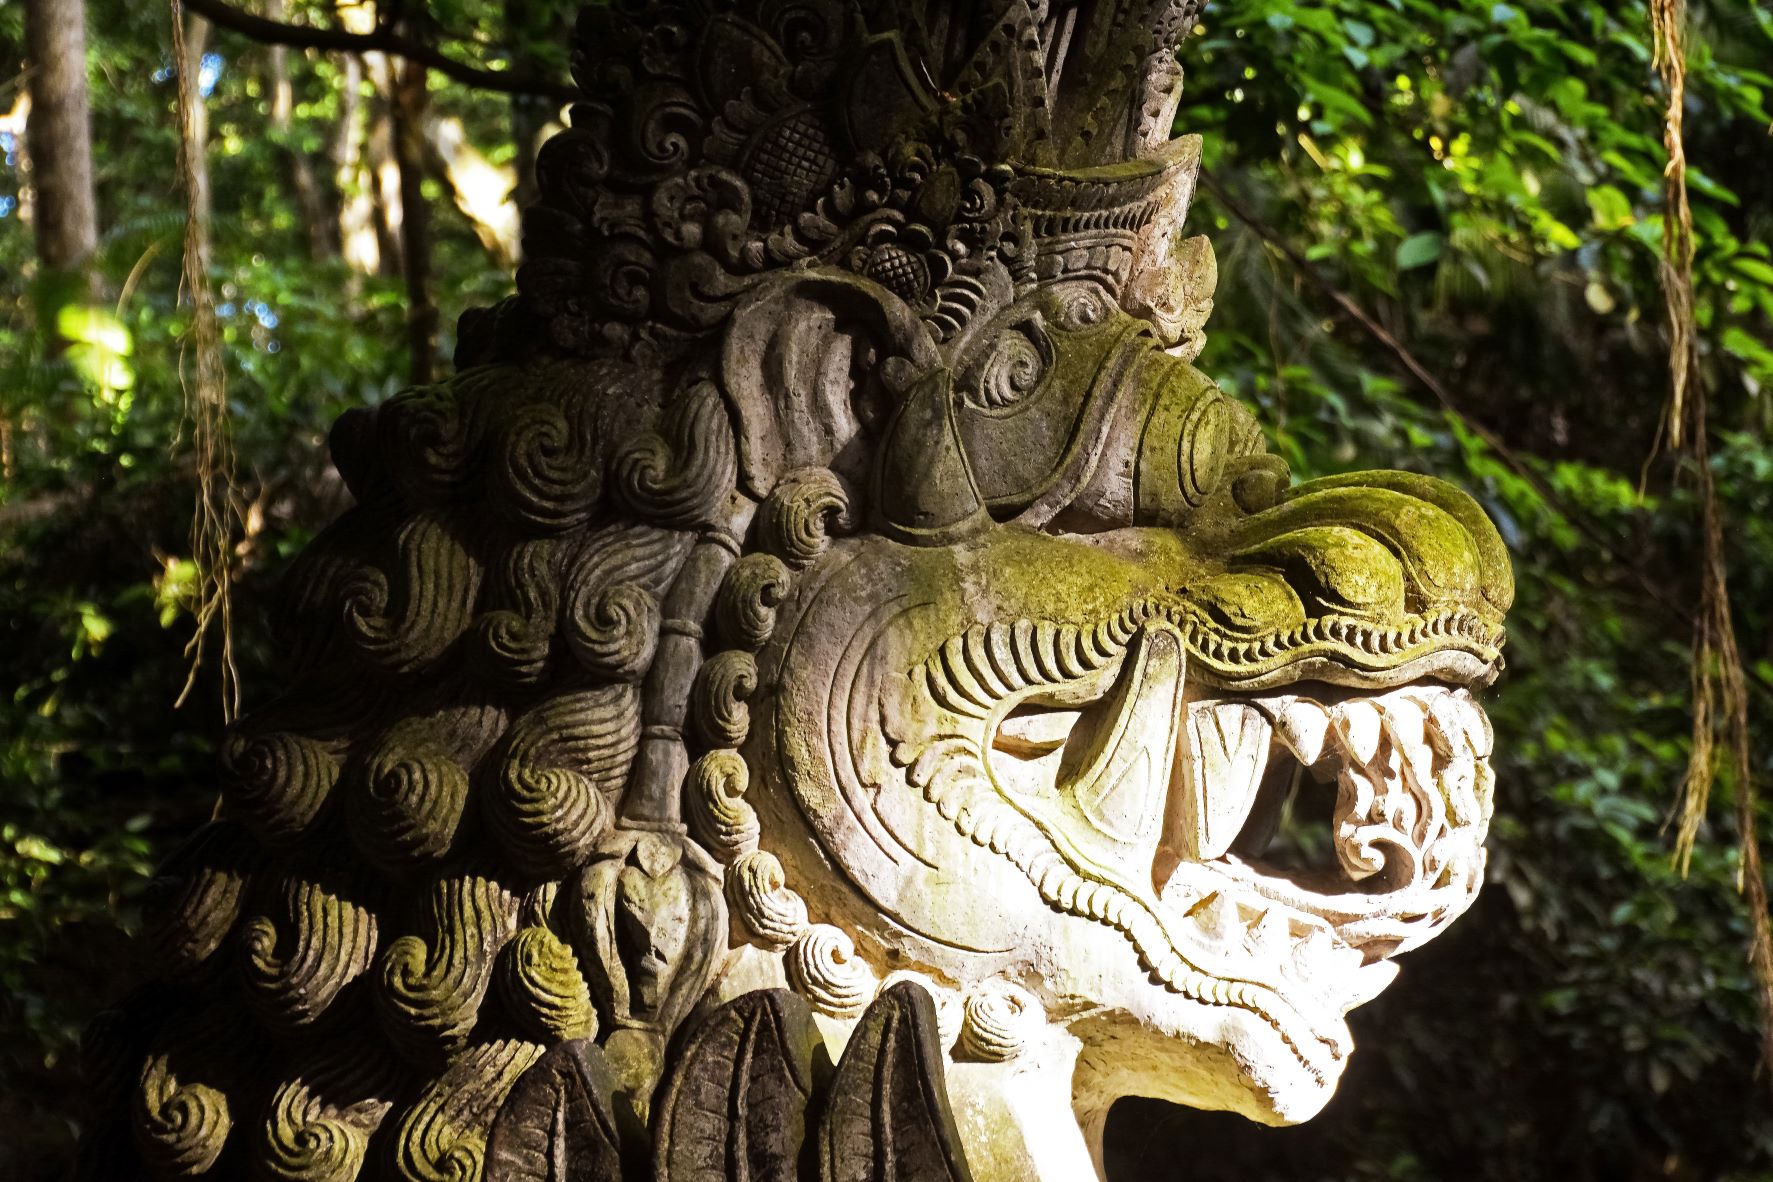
[{"x": 810, "y": 698}]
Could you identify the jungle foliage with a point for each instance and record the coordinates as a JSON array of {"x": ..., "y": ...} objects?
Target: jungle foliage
[{"x": 1483, "y": 180}]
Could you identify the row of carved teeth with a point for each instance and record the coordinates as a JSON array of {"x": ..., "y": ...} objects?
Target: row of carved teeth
[
  {"x": 1433, "y": 735},
  {"x": 1452, "y": 625},
  {"x": 1416, "y": 717},
  {"x": 1301, "y": 947}
]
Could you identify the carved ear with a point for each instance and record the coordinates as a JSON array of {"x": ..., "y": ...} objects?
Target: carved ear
[{"x": 813, "y": 361}]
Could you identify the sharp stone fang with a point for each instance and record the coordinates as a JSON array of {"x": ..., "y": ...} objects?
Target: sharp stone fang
[
  {"x": 1303, "y": 726},
  {"x": 1228, "y": 753},
  {"x": 1358, "y": 724},
  {"x": 1217, "y": 916}
]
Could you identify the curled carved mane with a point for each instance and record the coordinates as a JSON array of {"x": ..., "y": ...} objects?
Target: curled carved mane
[{"x": 495, "y": 655}]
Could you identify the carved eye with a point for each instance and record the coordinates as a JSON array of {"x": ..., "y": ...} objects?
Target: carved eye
[
  {"x": 1014, "y": 368},
  {"x": 1082, "y": 306}
]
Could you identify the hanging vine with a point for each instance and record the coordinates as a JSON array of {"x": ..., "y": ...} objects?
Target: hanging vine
[
  {"x": 215, "y": 514},
  {"x": 1720, "y": 685}
]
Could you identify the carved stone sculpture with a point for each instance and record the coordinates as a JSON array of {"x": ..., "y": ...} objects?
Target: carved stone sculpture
[{"x": 809, "y": 699}]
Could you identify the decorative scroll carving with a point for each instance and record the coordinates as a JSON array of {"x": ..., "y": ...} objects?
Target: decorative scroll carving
[
  {"x": 714, "y": 798},
  {"x": 541, "y": 980},
  {"x": 196, "y": 898},
  {"x": 409, "y": 795},
  {"x": 560, "y": 765},
  {"x": 431, "y": 984},
  {"x": 442, "y": 1137},
  {"x": 318, "y": 1123},
  {"x": 313, "y": 941}
]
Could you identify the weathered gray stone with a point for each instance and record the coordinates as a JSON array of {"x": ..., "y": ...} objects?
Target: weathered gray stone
[{"x": 810, "y": 697}]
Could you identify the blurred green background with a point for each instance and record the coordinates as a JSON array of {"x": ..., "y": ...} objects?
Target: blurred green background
[{"x": 1482, "y": 179}]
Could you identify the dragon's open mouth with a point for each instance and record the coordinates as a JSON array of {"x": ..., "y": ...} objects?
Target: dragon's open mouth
[
  {"x": 1409, "y": 772},
  {"x": 1400, "y": 776}
]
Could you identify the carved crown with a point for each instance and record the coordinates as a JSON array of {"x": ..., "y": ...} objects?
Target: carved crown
[{"x": 909, "y": 142}]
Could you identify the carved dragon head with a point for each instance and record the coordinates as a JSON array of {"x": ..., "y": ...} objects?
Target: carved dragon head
[{"x": 830, "y": 567}]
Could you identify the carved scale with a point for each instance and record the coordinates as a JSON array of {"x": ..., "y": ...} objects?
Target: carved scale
[{"x": 812, "y": 696}]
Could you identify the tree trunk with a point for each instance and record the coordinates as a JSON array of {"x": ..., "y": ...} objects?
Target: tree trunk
[
  {"x": 60, "y": 138},
  {"x": 361, "y": 213},
  {"x": 410, "y": 98},
  {"x": 382, "y": 159},
  {"x": 357, "y": 236},
  {"x": 482, "y": 190},
  {"x": 196, "y": 41},
  {"x": 301, "y": 171}
]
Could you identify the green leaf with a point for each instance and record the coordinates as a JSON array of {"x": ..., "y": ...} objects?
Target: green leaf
[
  {"x": 1419, "y": 250},
  {"x": 1754, "y": 268},
  {"x": 1611, "y": 208}
]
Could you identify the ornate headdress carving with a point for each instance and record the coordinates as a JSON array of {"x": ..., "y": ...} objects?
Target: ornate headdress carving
[{"x": 910, "y": 143}]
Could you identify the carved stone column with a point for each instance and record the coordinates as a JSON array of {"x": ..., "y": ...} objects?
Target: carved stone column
[{"x": 813, "y": 696}]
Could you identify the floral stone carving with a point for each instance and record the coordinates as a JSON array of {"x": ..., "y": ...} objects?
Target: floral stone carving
[{"x": 812, "y": 696}]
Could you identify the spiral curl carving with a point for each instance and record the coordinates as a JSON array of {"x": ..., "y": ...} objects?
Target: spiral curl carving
[
  {"x": 304, "y": 1140},
  {"x": 538, "y": 976},
  {"x": 555, "y": 775},
  {"x": 611, "y": 615},
  {"x": 431, "y": 984},
  {"x": 714, "y": 805},
  {"x": 617, "y": 633},
  {"x": 745, "y": 607},
  {"x": 683, "y": 473},
  {"x": 824, "y": 968},
  {"x": 314, "y": 942},
  {"x": 275, "y": 783},
  {"x": 182, "y": 1113},
  {"x": 308, "y": 623},
  {"x": 442, "y": 1137},
  {"x": 408, "y": 796},
  {"x": 705, "y": 208},
  {"x": 541, "y": 985},
  {"x": 515, "y": 636},
  {"x": 404, "y": 624},
  {"x": 757, "y": 890},
  {"x": 318, "y": 1124},
  {"x": 548, "y": 474},
  {"x": 196, "y": 898},
  {"x": 999, "y": 1019},
  {"x": 719, "y": 716},
  {"x": 1014, "y": 369},
  {"x": 806, "y": 509},
  {"x": 432, "y": 435}
]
